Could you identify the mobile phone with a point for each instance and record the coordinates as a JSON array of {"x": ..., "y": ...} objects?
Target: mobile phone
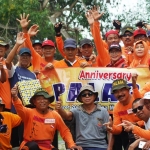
[{"x": 141, "y": 144}]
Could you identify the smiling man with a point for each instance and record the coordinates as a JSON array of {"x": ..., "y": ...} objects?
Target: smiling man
[
  {"x": 88, "y": 117},
  {"x": 122, "y": 111},
  {"x": 41, "y": 122}
]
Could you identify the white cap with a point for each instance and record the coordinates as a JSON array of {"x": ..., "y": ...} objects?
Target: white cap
[{"x": 146, "y": 95}]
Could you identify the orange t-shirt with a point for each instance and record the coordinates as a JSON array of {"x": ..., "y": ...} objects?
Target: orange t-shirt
[
  {"x": 41, "y": 127},
  {"x": 5, "y": 90},
  {"x": 122, "y": 112},
  {"x": 11, "y": 120},
  {"x": 63, "y": 64},
  {"x": 38, "y": 61}
]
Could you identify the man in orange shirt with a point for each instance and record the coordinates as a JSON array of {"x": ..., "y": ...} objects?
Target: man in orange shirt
[
  {"x": 71, "y": 60},
  {"x": 7, "y": 122},
  {"x": 5, "y": 87},
  {"x": 40, "y": 123},
  {"x": 122, "y": 111}
]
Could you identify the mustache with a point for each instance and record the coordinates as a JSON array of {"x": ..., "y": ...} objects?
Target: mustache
[{"x": 120, "y": 96}]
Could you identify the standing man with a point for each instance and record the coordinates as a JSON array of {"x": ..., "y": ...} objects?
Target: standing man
[
  {"x": 40, "y": 123},
  {"x": 122, "y": 111},
  {"x": 89, "y": 118}
]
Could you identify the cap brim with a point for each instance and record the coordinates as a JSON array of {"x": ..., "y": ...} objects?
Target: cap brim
[
  {"x": 120, "y": 87},
  {"x": 86, "y": 43},
  {"x": 25, "y": 52},
  {"x": 50, "y": 98},
  {"x": 70, "y": 46}
]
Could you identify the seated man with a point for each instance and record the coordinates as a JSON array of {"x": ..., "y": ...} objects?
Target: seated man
[
  {"x": 40, "y": 123},
  {"x": 89, "y": 118},
  {"x": 7, "y": 122}
]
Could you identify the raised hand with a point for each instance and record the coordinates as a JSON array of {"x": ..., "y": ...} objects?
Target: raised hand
[
  {"x": 89, "y": 17},
  {"x": 20, "y": 38},
  {"x": 96, "y": 13},
  {"x": 14, "y": 92},
  {"x": 117, "y": 24},
  {"x": 33, "y": 30},
  {"x": 58, "y": 104},
  {"x": 24, "y": 22}
]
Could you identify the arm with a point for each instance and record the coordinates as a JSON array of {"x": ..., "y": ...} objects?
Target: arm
[
  {"x": 64, "y": 114},
  {"x": 15, "y": 119},
  {"x": 2, "y": 73},
  {"x": 20, "y": 40}
]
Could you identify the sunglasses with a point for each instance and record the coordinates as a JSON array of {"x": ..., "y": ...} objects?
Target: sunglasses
[
  {"x": 138, "y": 108},
  {"x": 85, "y": 94},
  {"x": 125, "y": 35}
]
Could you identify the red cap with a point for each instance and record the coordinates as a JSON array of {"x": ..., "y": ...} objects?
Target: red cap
[
  {"x": 48, "y": 42},
  {"x": 139, "y": 31},
  {"x": 111, "y": 32}
]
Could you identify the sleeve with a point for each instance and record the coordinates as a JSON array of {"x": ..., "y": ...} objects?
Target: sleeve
[
  {"x": 100, "y": 47},
  {"x": 116, "y": 121},
  {"x": 60, "y": 45},
  {"x": 21, "y": 110},
  {"x": 35, "y": 55},
  {"x": 136, "y": 93},
  {"x": 15, "y": 119},
  {"x": 141, "y": 132},
  {"x": 145, "y": 89},
  {"x": 64, "y": 131},
  {"x": 11, "y": 71}
]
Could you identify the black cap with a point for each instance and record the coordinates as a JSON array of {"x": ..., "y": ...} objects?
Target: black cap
[
  {"x": 37, "y": 42},
  {"x": 115, "y": 46},
  {"x": 86, "y": 41}
]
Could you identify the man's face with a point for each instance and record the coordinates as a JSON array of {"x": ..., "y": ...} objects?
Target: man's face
[
  {"x": 128, "y": 39},
  {"x": 87, "y": 97},
  {"x": 25, "y": 60},
  {"x": 48, "y": 51},
  {"x": 140, "y": 37},
  {"x": 86, "y": 50},
  {"x": 140, "y": 110},
  {"x": 70, "y": 53},
  {"x": 38, "y": 49},
  {"x": 2, "y": 50},
  {"x": 41, "y": 103},
  {"x": 113, "y": 39},
  {"x": 122, "y": 95},
  {"x": 115, "y": 54}
]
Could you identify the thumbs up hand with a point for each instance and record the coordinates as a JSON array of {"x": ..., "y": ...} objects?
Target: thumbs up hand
[
  {"x": 58, "y": 104},
  {"x": 109, "y": 124}
]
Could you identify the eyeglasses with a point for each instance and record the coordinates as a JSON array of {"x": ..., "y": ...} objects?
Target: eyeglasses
[
  {"x": 125, "y": 35},
  {"x": 85, "y": 94},
  {"x": 138, "y": 108}
]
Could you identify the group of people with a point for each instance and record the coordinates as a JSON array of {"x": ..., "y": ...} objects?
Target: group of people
[{"x": 34, "y": 127}]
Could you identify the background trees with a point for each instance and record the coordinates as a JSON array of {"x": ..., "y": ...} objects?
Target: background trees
[{"x": 45, "y": 13}]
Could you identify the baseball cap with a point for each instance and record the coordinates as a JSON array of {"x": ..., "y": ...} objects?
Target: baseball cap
[
  {"x": 146, "y": 95},
  {"x": 139, "y": 31},
  {"x": 119, "y": 84},
  {"x": 111, "y": 32},
  {"x": 86, "y": 87},
  {"x": 42, "y": 92},
  {"x": 48, "y": 42},
  {"x": 127, "y": 28},
  {"x": 85, "y": 41},
  {"x": 70, "y": 43},
  {"x": 148, "y": 33},
  {"x": 3, "y": 42},
  {"x": 37, "y": 42},
  {"x": 24, "y": 50},
  {"x": 115, "y": 46}
]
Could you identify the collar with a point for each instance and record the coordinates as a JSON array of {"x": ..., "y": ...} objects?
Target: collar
[{"x": 98, "y": 107}]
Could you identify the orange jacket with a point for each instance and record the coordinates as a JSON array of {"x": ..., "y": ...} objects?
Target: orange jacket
[
  {"x": 103, "y": 57},
  {"x": 122, "y": 112},
  {"x": 41, "y": 128},
  {"x": 140, "y": 61}
]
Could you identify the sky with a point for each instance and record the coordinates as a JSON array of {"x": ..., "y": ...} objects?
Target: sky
[{"x": 130, "y": 8}]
